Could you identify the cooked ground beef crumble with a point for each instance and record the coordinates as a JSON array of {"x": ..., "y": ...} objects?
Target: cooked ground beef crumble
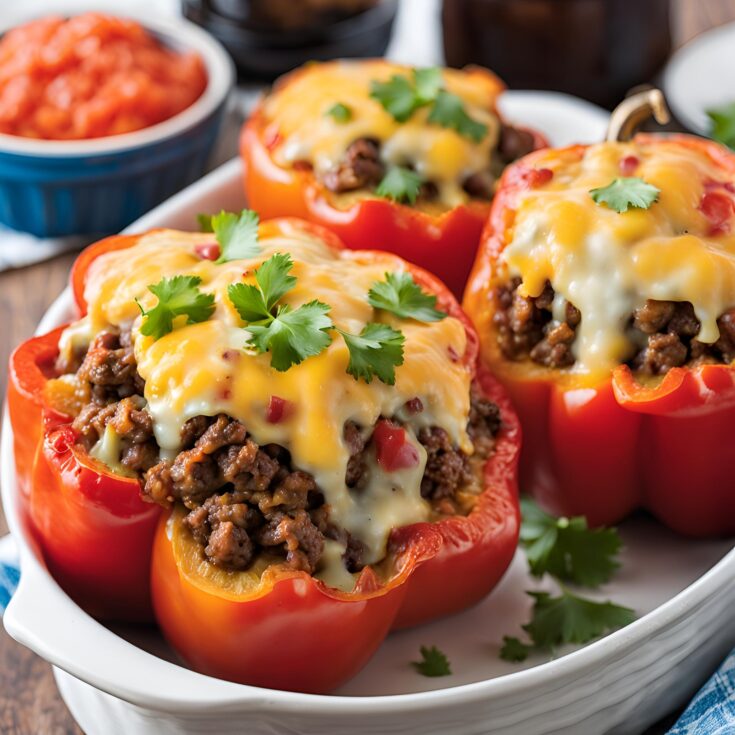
[
  {"x": 664, "y": 331},
  {"x": 243, "y": 498},
  {"x": 362, "y": 168}
]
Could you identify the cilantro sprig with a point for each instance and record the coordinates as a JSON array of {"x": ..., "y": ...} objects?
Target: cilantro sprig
[
  {"x": 401, "y": 295},
  {"x": 626, "y": 192},
  {"x": 177, "y": 296},
  {"x": 237, "y": 234},
  {"x": 568, "y": 551},
  {"x": 401, "y": 96},
  {"x": 433, "y": 662},
  {"x": 340, "y": 112},
  {"x": 561, "y": 619},
  {"x": 400, "y": 184},
  {"x": 376, "y": 351},
  {"x": 566, "y": 548},
  {"x": 292, "y": 335},
  {"x": 449, "y": 112},
  {"x": 723, "y": 124}
]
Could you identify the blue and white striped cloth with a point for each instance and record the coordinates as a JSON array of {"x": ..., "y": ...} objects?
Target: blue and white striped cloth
[
  {"x": 9, "y": 574},
  {"x": 711, "y": 712}
]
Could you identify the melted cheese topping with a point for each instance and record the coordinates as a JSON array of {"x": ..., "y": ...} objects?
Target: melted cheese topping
[
  {"x": 201, "y": 369},
  {"x": 297, "y": 117},
  {"x": 608, "y": 264}
]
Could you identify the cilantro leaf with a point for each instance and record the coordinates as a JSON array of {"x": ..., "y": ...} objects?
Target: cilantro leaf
[
  {"x": 400, "y": 184},
  {"x": 255, "y": 303},
  {"x": 723, "y": 124},
  {"x": 433, "y": 662},
  {"x": 566, "y": 618},
  {"x": 177, "y": 296},
  {"x": 249, "y": 302},
  {"x": 625, "y": 192},
  {"x": 566, "y": 548},
  {"x": 402, "y": 296},
  {"x": 428, "y": 83},
  {"x": 377, "y": 350},
  {"x": 340, "y": 112},
  {"x": 398, "y": 96},
  {"x": 293, "y": 334},
  {"x": 514, "y": 649},
  {"x": 448, "y": 111},
  {"x": 237, "y": 235},
  {"x": 205, "y": 222},
  {"x": 273, "y": 278},
  {"x": 569, "y": 618}
]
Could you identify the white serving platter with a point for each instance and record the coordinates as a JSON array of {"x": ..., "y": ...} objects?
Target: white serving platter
[{"x": 125, "y": 681}]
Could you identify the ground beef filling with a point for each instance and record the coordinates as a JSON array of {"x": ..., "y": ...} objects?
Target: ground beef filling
[
  {"x": 663, "y": 331},
  {"x": 243, "y": 498},
  {"x": 362, "y": 168}
]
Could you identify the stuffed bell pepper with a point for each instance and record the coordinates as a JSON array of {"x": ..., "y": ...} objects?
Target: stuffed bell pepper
[
  {"x": 386, "y": 156},
  {"x": 604, "y": 296},
  {"x": 330, "y": 460}
]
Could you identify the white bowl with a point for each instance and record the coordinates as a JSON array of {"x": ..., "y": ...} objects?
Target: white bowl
[
  {"x": 701, "y": 76},
  {"x": 126, "y": 682}
]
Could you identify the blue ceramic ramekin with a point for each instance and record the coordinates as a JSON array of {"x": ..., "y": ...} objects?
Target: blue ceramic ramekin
[{"x": 98, "y": 186}]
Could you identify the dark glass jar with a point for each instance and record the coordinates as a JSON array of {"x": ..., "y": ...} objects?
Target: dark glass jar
[
  {"x": 269, "y": 37},
  {"x": 596, "y": 49}
]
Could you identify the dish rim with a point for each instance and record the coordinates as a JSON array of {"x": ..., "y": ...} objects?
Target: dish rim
[
  {"x": 178, "y": 33},
  {"x": 204, "y": 691}
]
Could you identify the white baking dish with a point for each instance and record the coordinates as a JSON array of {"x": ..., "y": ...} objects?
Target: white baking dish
[{"x": 124, "y": 682}]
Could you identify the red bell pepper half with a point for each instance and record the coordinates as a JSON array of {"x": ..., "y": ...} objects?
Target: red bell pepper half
[{"x": 604, "y": 450}]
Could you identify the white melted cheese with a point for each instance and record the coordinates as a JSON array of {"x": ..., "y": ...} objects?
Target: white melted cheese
[
  {"x": 297, "y": 117},
  {"x": 202, "y": 369},
  {"x": 608, "y": 263}
]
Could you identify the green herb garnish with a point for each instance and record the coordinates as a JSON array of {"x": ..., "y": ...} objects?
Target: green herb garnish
[
  {"x": 177, "y": 296},
  {"x": 449, "y": 112},
  {"x": 433, "y": 662},
  {"x": 339, "y": 112},
  {"x": 376, "y": 351},
  {"x": 723, "y": 124},
  {"x": 566, "y": 618},
  {"x": 400, "y": 184},
  {"x": 237, "y": 234},
  {"x": 566, "y": 548},
  {"x": 401, "y": 97},
  {"x": 290, "y": 335},
  {"x": 401, "y": 295},
  {"x": 622, "y": 193}
]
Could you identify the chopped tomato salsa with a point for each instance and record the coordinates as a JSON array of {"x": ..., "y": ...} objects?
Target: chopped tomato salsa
[{"x": 91, "y": 76}]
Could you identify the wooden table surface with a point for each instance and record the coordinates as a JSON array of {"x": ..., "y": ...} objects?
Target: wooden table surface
[{"x": 29, "y": 701}]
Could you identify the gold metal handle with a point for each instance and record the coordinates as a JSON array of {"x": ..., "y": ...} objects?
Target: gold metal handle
[{"x": 631, "y": 112}]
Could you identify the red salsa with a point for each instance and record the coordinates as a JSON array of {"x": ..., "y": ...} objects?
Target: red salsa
[{"x": 91, "y": 76}]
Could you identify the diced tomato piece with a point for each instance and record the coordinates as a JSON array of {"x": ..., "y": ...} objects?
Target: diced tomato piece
[
  {"x": 628, "y": 165},
  {"x": 207, "y": 250},
  {"x": 717, "y": 207},
  {"x": 539, "y": 176},
  {"x": 279, "y": 409},
  {"x": 392, "y": 448},
  {"x": 90, "y": 76}
]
